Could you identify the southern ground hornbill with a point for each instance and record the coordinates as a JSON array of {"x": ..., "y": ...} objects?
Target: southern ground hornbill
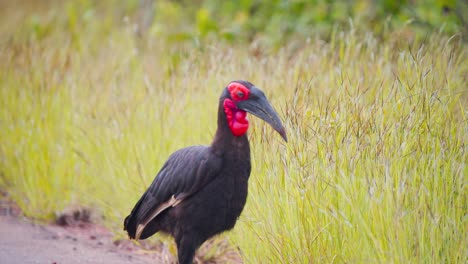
[{"x": 201, "y": 190}]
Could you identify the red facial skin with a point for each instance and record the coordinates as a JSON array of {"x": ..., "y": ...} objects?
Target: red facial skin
[{"x": 237, "y": 119}]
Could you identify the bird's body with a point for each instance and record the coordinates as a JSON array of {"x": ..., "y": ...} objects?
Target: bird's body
[{"x": 201, "y": 190}]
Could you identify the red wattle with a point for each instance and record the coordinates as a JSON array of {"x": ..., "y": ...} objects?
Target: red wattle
[
  {"x": 240, "y": 115},
  {"x": 239, "y": 129},
  {"x": 236, "y": 118}
]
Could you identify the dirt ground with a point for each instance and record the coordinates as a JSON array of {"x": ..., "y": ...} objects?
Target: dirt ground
[
  {"x": 75, "y": 239},
  {"x": 22, "y": 241}
]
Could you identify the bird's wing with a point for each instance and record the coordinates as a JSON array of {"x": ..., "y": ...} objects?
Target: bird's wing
[{"x": 184, "y": 173}]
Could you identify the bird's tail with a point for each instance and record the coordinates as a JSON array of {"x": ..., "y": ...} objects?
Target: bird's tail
[
  {"x": 131, "y": 221},
  {"x": 130, "y": 226}
]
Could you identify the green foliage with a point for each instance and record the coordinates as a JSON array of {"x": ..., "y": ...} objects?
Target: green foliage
[
  {"x": 278, "y": 21},
  {"x": 375, "y": 167}
]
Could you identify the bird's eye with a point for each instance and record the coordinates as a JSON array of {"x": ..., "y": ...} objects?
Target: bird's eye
[{"x": 240, "y": 94}]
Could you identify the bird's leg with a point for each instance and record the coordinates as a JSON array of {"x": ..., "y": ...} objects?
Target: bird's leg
[{"x": 186, "y": 248}]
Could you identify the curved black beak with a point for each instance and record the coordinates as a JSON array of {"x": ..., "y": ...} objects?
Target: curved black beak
[{"x": 258, "y": 105}]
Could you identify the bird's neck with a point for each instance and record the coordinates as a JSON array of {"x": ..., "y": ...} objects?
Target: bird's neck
[{"x": 225, "y": 138}]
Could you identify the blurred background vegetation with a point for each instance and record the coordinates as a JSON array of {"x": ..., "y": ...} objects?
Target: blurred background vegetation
[{"x": 272, "y": 22}]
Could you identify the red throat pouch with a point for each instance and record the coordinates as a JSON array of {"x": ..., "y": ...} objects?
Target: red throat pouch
[{"x": 236, "y": 118}]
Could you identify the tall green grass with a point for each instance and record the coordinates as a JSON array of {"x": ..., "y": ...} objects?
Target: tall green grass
[{"x": 374, "y": 170}]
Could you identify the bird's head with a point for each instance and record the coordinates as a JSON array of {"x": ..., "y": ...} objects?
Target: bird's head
[{"x": 241, "y": 97}]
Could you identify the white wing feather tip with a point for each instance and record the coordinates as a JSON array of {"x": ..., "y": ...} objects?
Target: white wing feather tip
[{"x": 170, "y": 203}]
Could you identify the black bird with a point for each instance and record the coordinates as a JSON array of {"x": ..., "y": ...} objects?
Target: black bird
[{"x": 201, "y": 190}]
